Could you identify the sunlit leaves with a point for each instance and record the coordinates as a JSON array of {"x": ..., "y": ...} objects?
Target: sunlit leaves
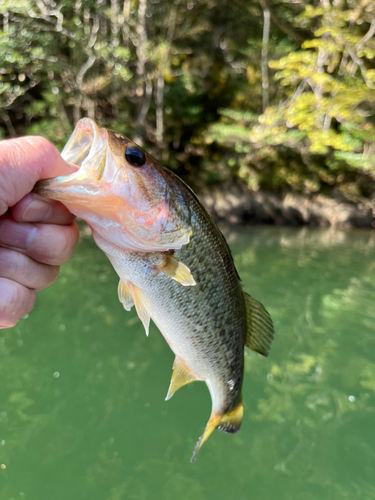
[
  {"x": 322, "y": 87},
  {"x": 323, "y": 111}
]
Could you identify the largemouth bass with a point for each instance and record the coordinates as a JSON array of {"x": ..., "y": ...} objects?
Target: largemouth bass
[{"x": 174, "y": 264}]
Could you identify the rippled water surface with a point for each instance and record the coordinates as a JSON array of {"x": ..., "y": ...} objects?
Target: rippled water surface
[{"x": 82, "y": 410}]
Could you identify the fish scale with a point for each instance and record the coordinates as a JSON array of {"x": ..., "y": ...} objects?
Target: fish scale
[{"x": 173, "y": 262}]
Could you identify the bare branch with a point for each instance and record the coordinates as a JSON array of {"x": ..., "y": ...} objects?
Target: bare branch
[
  {"x": 367, "y": 37},
  {"x": 5, "y": 21},
  {"x": 343, "y": 62},
  {"x": 264, "y": 60},
  {"x": 115, "y": 28},
  {"x": 159, "y": 109},
  {"x": 9, "y": 125},
  {"x": 143, "y": 80},
  {"x": 125, "y": 21},
  {"x": 21, "y": 91},
  {"x": 83, "y": 69},
  {"x": 94, "y": 32},
  {"x": 145, "y": 107},
  {"x": 327, "y": 122},
  {"x": 286, "y": 28},
  {"x": 358, "y": 61},
  {"x": 63, "y": 31},
  {"x": 42, "y": 7},
  {"x": 297, "y": 93},
  {"x": 159, "y": 100}
]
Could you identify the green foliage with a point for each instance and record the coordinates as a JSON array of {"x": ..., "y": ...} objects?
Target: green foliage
[
  {"x": 324, "y": 110},
  {"x": 190, "y": 80}
]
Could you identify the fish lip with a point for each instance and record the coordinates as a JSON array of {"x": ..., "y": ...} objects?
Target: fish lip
[
  {"x": 86, "y": 140},
  {"x": 63, "y": 187},
  {"x": 86, "y": 149}
]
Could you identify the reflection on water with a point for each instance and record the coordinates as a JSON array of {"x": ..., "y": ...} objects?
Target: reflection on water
[{"x": 82, "y": 410}]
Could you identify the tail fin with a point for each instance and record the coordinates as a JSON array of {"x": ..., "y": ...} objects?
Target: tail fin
[{"x": 229, "y": 422}]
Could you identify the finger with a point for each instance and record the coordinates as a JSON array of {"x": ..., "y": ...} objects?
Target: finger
[
  {"x": 45, "y": 243},
  {"x": 23, "y": 162},
  {"x": 24, "y": 270},
  {"x": 34, "y": 208},
  {"x": 15, "y": 301}
]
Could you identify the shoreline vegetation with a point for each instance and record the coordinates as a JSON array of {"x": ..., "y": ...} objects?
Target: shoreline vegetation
[{"x": 271, "y": 102}]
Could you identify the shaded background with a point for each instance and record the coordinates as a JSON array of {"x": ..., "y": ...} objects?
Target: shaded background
[{"x": 279, "y": 93}]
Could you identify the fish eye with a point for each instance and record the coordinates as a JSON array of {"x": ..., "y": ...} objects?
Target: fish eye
[{"x": 135, "y": 156}]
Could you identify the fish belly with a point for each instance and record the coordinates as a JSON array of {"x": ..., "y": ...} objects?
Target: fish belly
[{"x": 204, "y": 324}]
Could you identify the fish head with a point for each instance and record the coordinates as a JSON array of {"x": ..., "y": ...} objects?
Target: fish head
[{"x": 121, "y": 191}]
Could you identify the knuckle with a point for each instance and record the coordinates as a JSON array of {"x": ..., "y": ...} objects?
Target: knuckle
[
  {"x": 7, "y": 323},
  {"x": 42, "y": 142},
  {"x": 54, "y": 273},
  {"x": 10, "y": 262},
  {"x": 3, "y": 205},
  {"x": 55, "y": 244},
  {"x": 56, "y": 253},
  {"x": 50, "y": 276},
  {"x": 69, "y": 242},
  {"x": 15, "y": 302}
]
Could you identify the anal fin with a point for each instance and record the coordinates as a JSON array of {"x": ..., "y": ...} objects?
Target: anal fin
[
  {"x": 180, "y": 377},
  {"x": 229, "y": 422},
  {"x": 176, "y": 270},
  {"x": 260, "y": 331}
]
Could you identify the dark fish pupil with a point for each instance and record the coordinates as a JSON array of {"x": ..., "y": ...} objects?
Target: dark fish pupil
[{"x": 135, "y": 156}]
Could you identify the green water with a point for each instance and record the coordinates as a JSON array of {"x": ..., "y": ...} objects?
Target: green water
[{"x": 82, "y": 410}]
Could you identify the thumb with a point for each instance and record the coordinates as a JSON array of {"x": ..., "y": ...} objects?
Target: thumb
[{"x": 23, "y": 162}]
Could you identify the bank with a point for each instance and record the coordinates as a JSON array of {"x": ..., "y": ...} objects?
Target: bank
[{"x": 234, "y": 203}]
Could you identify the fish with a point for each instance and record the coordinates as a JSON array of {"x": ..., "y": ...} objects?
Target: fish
[{"x": 174, "y": 264}]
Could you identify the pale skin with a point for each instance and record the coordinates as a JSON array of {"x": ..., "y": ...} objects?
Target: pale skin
[{"x": 36, "y": 235}]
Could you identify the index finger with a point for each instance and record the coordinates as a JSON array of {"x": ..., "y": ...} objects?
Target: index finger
[{"x": 23, "y": 162}]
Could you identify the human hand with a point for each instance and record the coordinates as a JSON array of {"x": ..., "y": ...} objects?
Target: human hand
[{"x": 36, "y": 235}]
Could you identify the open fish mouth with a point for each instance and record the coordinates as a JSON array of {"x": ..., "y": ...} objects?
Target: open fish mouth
[
  {"x": 87, "y": 144},
  {"x": 87, "y": 148},
  {"x": 101, "y": 183}
]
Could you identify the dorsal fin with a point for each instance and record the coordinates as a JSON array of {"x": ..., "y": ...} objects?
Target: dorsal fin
[
  {"x": 180, "y": 377},
  {"x": 125, "y": 296},
  {"x": 176, "y": 270},
  {"x": 260, "y": 331}
]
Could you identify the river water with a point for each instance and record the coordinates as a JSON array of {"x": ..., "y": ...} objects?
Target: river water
[{"x": 82, "y": 410}]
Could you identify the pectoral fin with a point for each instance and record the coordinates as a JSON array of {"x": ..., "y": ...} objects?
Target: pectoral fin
[
  {"x": 260, "y": 331},
  {"x": 139, "y": 306},
  {"x": 176, "y": 270},
  {"x": 125, "y": 296},
  {"x": 180, "y": 377}
]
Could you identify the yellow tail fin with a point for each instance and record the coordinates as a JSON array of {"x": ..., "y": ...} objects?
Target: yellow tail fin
[{"x": 229, "y": 422}]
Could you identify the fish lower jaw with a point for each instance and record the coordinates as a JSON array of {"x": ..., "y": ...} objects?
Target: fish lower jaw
[{"x": 116, "y": 243}]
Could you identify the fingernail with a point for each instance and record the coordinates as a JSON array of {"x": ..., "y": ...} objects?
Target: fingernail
[
  {"x": 16, "y": 234},
  {"x": 37, "y": 211}
]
